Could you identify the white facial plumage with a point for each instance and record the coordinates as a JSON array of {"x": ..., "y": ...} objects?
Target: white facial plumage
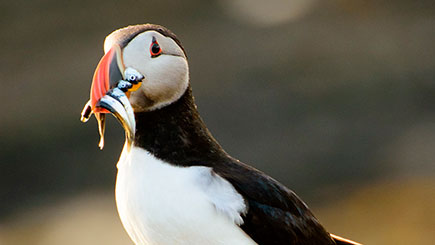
[{"x": 166, "y": 76}]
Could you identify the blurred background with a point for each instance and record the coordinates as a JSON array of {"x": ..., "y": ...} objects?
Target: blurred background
[{"x": 335, "y": 99}]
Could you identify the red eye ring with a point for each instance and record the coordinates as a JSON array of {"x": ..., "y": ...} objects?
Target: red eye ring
[{"x": 155, "y": 49}]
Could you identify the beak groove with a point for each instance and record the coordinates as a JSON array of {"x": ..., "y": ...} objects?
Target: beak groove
[{"x": 109, "y": 71}]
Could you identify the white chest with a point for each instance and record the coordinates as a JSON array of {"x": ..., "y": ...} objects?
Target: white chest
[{"x": 159, "y": 203}]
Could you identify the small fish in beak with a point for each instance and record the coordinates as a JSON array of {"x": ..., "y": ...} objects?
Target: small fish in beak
[{"x": 111, "y": 86}]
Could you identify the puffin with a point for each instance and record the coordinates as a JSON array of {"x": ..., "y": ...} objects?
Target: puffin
[{"x": 175, "y": 183}]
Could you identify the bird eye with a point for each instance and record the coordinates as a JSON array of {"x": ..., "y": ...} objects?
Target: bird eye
[{"x": 155, "y": 49}]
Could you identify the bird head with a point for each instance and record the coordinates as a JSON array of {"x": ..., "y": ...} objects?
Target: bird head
[{"x": 152, "y": 62}]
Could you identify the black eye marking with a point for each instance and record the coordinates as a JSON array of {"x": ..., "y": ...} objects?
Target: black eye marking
[{"x": 155, "y": 49}]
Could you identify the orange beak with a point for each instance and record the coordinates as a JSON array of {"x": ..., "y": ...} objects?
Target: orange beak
[
  {"x": 109, "y": 72},
  {"x": 106, "y": 97}
]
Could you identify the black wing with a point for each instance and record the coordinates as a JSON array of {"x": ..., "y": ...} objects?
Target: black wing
[{"x": 275, "y": 214}]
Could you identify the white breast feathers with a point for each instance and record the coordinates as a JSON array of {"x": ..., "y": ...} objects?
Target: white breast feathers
[{"x": 160, "y": 203}]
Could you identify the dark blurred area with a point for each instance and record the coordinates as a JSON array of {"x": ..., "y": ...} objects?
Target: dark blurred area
[{"x": 335, "y": 99}]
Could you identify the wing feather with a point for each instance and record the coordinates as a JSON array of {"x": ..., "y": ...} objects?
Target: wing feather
[{"x": 275, "y": 215}]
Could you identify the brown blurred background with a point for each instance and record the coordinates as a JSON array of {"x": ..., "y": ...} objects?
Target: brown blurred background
[{"x": 335, "y": 99}]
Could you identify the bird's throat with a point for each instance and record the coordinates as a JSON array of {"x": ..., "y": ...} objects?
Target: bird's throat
[{"x": 177, "y": 134}]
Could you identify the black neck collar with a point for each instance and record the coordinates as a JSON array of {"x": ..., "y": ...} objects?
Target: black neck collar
[{"x": 177, "y": 134}]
